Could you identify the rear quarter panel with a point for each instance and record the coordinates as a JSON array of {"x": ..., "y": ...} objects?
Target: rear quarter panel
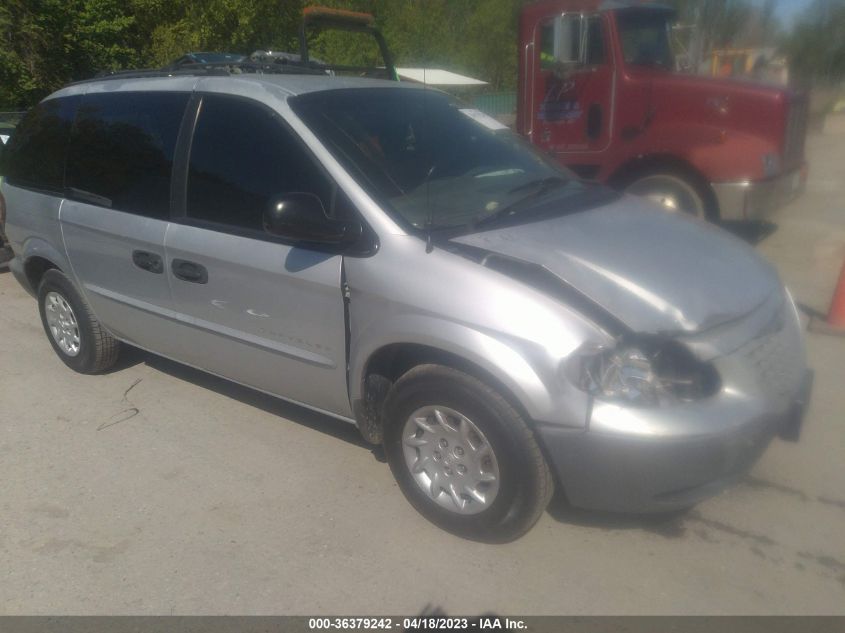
[{"x": 32, "y": 227}]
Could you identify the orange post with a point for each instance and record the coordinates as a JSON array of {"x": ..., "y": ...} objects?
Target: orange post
[{"x": 836, "y": 314}]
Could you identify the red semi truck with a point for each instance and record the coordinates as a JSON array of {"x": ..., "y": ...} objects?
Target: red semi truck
[{"x": 599, "y": 91}]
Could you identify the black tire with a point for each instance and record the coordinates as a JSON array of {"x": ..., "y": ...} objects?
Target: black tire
[
  {"x": 525, "y": 482},
  {"x": 98, "y": 350}
]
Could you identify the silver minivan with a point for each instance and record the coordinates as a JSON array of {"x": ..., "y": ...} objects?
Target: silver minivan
[{"x": 388, "y": 256}]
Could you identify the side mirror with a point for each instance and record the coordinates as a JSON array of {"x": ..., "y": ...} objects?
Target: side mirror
[
  {"x": 570, "y": 40},
  {"x": 301, "y": 217}
]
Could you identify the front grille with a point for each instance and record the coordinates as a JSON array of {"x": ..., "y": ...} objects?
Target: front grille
[
  {"x": 775, "y": 358},
  {"x": 795, "y": 132}
]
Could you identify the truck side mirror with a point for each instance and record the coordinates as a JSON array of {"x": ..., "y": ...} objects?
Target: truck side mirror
[{"x": 570, "y": 39}]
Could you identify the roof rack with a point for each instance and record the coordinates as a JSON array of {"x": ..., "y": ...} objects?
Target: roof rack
[
  {"x": 214, "y": 69},
  {"x": 278, "y": 66}
]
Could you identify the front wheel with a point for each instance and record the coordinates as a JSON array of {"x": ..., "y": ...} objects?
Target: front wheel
[
  {"x": 463, "y": 456},
  {"x": 674, "y": 192}
]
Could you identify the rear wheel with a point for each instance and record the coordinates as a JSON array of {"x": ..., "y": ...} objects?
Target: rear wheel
[
  {"x": 73, "y": 331},
  {"x": 463, "y": 456},
  {"x": 673, "y": 191}
]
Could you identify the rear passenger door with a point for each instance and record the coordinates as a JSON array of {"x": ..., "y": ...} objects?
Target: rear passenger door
[
  {"x": 266, "y": 313},
  {"x": 117, "y": 208}
]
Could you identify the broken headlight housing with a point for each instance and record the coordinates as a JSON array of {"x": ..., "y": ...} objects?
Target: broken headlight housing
[{"x": 643, "y": 372}]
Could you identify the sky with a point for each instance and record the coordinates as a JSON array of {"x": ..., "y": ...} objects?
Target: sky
[{"x": 788, "y": 10}]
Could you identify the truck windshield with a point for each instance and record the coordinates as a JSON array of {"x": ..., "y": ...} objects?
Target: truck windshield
[
  {"x": 427, "y": 158},
  {"x": 645, "y": 38}
]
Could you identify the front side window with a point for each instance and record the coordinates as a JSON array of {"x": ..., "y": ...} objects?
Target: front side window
[
  {"x": 428, "y": 159},
  {"x": 121, "y": 153},
  {"x": 645, "y": 38},
  {"x": 595, "y": 42},
  {"x": 242, "y": 159},
  {"x": 35, "y": 155}
]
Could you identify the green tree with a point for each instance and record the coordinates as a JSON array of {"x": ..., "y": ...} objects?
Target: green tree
[
  {"x": 816, "y": 44},
  {"x": 477, "y": 37},
  {"x": 47, "y": 43},
  {"x": 174, "y": 27}
]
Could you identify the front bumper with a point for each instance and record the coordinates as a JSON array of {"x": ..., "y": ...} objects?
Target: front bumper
[
  {"x": 755, "y": 200},
  {"x": 628, "y": 461}
]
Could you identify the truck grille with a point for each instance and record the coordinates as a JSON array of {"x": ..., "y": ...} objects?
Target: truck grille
[{"x": 796, "y": 131}]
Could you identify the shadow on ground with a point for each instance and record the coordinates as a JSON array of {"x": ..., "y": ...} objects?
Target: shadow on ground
[
  {"x": 666, "y": 525},
  {"x": 131, "y": 356},
  {"x": 751, "y": 231},
  {"x": 669, "y": 525}
]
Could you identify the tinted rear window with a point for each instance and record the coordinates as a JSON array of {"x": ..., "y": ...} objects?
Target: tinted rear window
[
  {"x": 35, "y": 154},
  {"x": 121, "y": 153}
]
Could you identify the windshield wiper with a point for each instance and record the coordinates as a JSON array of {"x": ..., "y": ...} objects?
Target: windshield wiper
[
  {"x": 541, "y": 185},
  {"x": 538, "y": 187}
]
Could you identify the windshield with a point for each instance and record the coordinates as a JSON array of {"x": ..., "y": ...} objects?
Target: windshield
[
  {"x": 645, "y": 38},
  {"x": 429, "y": 159}
]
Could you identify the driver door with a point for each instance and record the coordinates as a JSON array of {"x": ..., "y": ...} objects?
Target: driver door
[
  {"x": 254, "y": 309},
  {"x": 573, "y": 86}
]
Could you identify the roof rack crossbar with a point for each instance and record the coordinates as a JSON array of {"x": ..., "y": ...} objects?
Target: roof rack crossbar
[
  {"x": 213, "y": 69},
  {"x": 142, "y": 73},
  {"x": 270, "y": 67}
]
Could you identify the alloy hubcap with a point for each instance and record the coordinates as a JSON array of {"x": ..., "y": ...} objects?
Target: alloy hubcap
[
  {"x": 671, "y": 193},
  {"x": 450, "y": 459},
  {"x": 62, "y": 323}
]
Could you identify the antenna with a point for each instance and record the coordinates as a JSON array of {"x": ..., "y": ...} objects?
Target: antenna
[{"x": 429, "y": 224}]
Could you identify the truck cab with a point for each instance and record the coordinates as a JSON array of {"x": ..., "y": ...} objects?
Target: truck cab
[{"x": 599, "y": 90}]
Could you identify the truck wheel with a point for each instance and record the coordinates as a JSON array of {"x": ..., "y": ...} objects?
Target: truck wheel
[
  {"x": 673, "y": 191},
  {"x": 463, "y": 456},
  {"x": 75, "y": 334}
]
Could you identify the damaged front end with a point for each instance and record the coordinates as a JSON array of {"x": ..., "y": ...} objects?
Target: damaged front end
[
  {"x": 699, "y": 369},
  {"x": 674, "y": 421}
]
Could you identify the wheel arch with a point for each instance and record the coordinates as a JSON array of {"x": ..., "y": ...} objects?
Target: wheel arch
[
  {"x": 644, "y": 164},
  {"x": 522, "y": 375},
  {"x": 38, "y": 257},
  {"x": 35, "y": 267},
  {"x": 395, "y": 359}
]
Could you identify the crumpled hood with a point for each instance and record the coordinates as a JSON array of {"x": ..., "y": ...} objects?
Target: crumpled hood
[{"x": 657, "y": 272}]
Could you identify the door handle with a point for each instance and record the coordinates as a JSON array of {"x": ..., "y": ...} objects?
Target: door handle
[
  {"x": 189, "y": 271},
  {"x": 594, "y": 121},
  {"x": 148, "y": 261}
]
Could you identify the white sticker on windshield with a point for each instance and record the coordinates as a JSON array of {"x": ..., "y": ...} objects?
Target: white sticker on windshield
[
  {"x": 485, "y": 119},
  {"x": 4, "y": 138}
]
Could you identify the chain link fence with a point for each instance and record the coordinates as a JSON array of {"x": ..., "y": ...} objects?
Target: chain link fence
[{"x": 500, "y": 105}]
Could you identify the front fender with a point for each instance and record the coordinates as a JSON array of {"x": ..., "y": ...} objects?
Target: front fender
[{"x": 524, "y": 369}]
